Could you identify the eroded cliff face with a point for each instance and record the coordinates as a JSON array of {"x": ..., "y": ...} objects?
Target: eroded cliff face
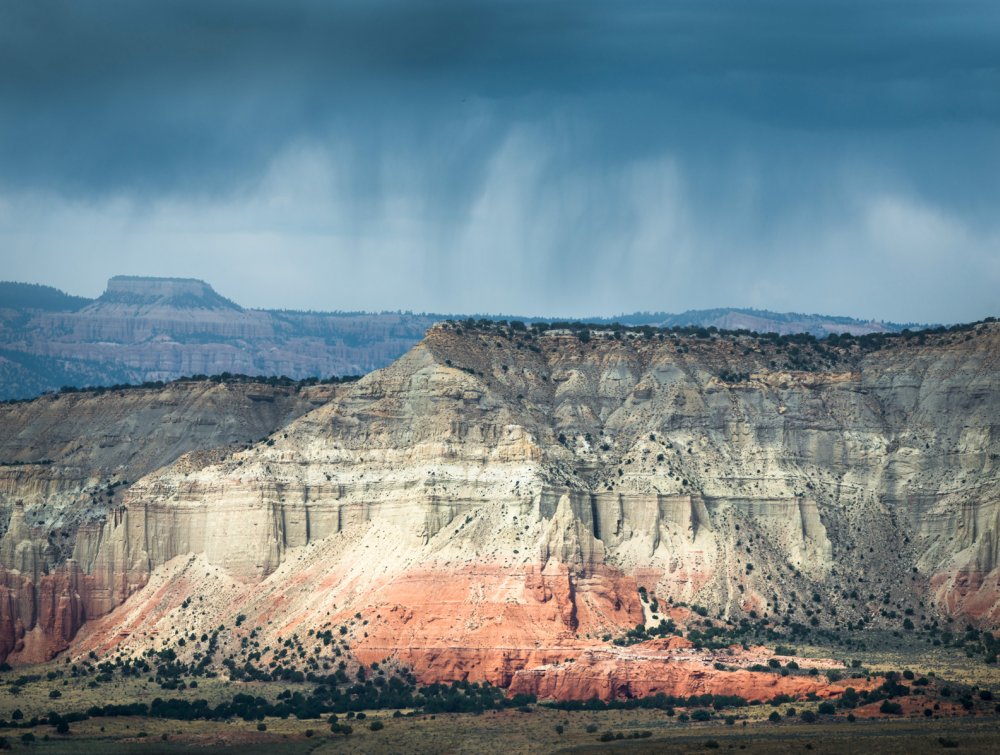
[
  {"x": 491, "y": 503},
  {"x": 671, "y": 667},
  {"x": 65, "y": 463}
]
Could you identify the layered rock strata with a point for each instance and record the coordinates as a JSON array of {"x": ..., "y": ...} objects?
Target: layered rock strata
[
  {"x": 149, "y": 329},
  {"x": 66, "y": 462},
  {"x": 491, "y": 503}
]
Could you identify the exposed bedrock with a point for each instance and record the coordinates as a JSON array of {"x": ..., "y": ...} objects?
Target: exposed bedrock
[
  {"x": 667, "y": 667},
  {"x": 66, "y": 464},
  {"x": 494, "y": 500}
]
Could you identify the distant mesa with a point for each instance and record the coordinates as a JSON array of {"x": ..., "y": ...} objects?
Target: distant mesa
[
  {"x": 157, "y": 329},
  {"x": 144, "y": 329},
  {"x": 183, "y": 293}
]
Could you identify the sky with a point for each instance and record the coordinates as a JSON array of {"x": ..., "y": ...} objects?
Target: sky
[{"x": 537, "y": 157}]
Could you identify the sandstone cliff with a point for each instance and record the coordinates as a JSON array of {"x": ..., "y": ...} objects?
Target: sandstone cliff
[
  {"x": 491, "y": 502},
  {"x": 65, "y": 462}
]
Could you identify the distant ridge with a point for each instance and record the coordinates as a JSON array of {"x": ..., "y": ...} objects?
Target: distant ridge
[
  {"x": 185, "y": 293},
  {"x": 160, "y": 328},
  {"x": 784, "y": 323},
  {"x": 15, "y": 295}
]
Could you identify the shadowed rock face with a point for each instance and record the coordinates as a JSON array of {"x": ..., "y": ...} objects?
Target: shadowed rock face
[
  {"x": 65, "y": 464},
  {"x": 492, "y": 501}
]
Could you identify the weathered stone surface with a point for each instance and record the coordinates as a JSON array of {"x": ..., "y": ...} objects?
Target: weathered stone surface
[
  {"x": 669, "y": 668},
  {"x": 65, "y": 462},
  {"x": 490, "y": 504}
]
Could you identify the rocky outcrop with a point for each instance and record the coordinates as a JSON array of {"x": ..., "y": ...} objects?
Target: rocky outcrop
[
  {"x": 65, "y": 464},
  {"x": 491, "y": 503},
  {"x": 488, "y": 621},
  {"x": 671, "y": 668}
]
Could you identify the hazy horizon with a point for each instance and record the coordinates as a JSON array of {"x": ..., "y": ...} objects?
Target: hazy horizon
[
  {"x": 560, "y": 159},
  {"x": 524, "y": 315}
]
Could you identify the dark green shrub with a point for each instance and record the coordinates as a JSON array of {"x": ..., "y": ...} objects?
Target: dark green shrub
[{"x": 891, "y": 708}]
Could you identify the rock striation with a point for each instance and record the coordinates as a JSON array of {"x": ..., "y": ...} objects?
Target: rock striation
[
  {"x": 492, "y": 502},
  {"x": 671, "y": 668},
  {"x": 65, "y": 462}
]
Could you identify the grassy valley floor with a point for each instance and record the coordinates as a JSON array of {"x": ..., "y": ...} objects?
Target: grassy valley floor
[{"x": 514, "y": 732}]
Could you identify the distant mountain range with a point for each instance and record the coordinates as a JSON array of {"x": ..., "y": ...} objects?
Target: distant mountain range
[{"x": 151, "y": 329}]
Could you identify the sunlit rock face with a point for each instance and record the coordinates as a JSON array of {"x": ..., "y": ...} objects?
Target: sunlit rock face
[{"x": 491, "y": 502}]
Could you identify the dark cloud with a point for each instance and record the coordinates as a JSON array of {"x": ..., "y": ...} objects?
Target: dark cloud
[
  {"x": 186, "y": 95},
  {"x": 772, "y": 122}
]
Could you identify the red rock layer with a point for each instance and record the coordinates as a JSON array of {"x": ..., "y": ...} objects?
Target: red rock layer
[
  {"x": 666, "y": 667},
  {"x": 972, "y": 593},
  {"x": 485, "y": 623},
  {"x": 34, "y": 632}
]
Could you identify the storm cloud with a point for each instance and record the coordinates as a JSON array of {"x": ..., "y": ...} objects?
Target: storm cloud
[{"x": 560, "y": 158}]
